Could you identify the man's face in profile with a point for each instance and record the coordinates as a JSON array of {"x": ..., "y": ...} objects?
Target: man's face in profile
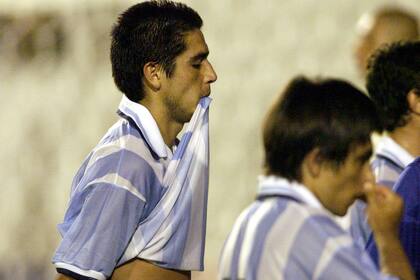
[
  {"x": 191, "y": 79},
  {"x": 344, "y": 184}
]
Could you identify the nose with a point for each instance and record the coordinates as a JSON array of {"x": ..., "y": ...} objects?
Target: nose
[{"x": 210, "y": 75}]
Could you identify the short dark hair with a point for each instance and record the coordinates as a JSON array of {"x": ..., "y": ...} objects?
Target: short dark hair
[
  {"x": 151, "y": 31},
  {"x": 329, "y": 114},
  {"x": 393, "y": 71}
]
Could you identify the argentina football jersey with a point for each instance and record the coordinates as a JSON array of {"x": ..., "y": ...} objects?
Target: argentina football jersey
[
  {"x": 134, "y": 197},
  {"x": 287, "y": 234}
]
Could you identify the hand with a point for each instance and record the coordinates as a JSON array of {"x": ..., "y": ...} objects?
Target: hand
[{"x": 384, "y": 210}]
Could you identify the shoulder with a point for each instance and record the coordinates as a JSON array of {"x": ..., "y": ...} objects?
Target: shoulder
[
  {"x": 125, "y": 136},
  {"x": 301, "y": 227},
  {"x": 410, "y": 177},
  {"x": 124, "y": 147},
  {"x": 385, "y": 170},
  {"x": 408, "y": 185},
  {"x": 320, "y": 248},
  {"x": 122, "y": 159},
  {"x": 279, "y": 236},
  {"x": 414, "y": 166},
  {"x": 312, "y": 224},
  {"x": 285, "y": 215},
  {"x": 412, "y": 172}
]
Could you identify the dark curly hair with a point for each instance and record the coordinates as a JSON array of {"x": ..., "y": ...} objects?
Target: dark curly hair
[
  {"x": 393, "y": 71},
  {"x": 152, "y": 31}
]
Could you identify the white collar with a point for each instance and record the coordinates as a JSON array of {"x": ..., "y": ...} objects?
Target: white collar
[
  {"x": 147, "y": 125},
  {"x": 388, "y": 148},
  {"x": 274, "y": 185}
]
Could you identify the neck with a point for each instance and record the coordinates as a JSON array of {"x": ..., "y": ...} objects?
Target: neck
[
  {"x": 408, "y": 137},
  {"x": 168, "y": 128}
]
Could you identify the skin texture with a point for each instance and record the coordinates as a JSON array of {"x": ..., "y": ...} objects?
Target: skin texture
[{"x": 140, "y": 269}]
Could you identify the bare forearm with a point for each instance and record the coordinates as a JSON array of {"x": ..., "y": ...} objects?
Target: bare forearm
[{"x": 392, "y": 257}]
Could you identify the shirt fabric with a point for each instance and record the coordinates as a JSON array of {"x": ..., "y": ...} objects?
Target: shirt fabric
[
  {"x": 287, "y": 234},
  {"x": 134, "y": 198},
  {"x": 388, "y": 163}
]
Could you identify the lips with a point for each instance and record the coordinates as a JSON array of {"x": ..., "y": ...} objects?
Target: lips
[
  {"x": 207, "y": 94},
  {"x": 361, "y": 197}
]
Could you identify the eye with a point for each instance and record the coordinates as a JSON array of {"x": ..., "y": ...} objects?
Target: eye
[{"x": 196, "y": 65}]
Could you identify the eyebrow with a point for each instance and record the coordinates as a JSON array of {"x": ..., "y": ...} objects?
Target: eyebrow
[
  {"x": 200, "y": 56},
  {"x": 366, "y": 155}
]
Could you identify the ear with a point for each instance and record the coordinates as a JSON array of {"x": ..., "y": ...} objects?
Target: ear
[
  {"x": 312, "y": 163},
  {"x": 413, "y": 99},
  {"x": 152, "y": 73}
]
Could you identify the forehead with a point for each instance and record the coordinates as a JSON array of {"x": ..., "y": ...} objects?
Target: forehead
[
  {"x": 360, "y": 151},
  {"x": 195, "y": 44}
]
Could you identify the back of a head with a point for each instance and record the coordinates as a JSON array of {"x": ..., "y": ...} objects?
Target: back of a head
[
  {"x": 386, "y": 25},
  {"x": 393, "y": 72},
  {"x": 151, "y": 31},
  {"x": 395, "y": 24},
  {"x": 329, "y": 114}
]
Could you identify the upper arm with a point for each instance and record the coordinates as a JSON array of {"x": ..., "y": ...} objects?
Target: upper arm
[
  {"x": 99, "y": 234},
  {"x": 111, "y": 198}
]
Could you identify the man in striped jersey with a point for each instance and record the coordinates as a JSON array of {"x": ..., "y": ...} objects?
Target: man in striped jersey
[
  {"x": 393, "y": 83},
  {"x": 138, "y": 203},
  {"x": 317, "y": 146}
]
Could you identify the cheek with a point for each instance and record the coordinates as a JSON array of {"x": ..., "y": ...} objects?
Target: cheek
[
  {"x": 349, "y": 188},
  {"x": 361, "y": 175}
]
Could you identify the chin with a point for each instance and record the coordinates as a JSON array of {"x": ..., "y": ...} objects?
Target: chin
[
  {"x": 340, "y": 212},
  {"x": 187, "y": 118}
]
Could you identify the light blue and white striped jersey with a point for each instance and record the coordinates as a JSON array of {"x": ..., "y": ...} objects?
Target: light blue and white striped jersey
[
  {"x": 287, "y": 234},
  {"x": 133, "y": 198},
  {"x": 388, "y": 163}
]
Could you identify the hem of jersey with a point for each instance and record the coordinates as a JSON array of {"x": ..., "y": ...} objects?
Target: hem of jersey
[
  {"x": 75, "y": 269},
  {"x": 167, "y": 265},
  {"x": 185, "y": 267}
]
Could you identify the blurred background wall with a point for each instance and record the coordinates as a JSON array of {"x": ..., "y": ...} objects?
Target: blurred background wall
[{"x": 58, "y": 99}]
